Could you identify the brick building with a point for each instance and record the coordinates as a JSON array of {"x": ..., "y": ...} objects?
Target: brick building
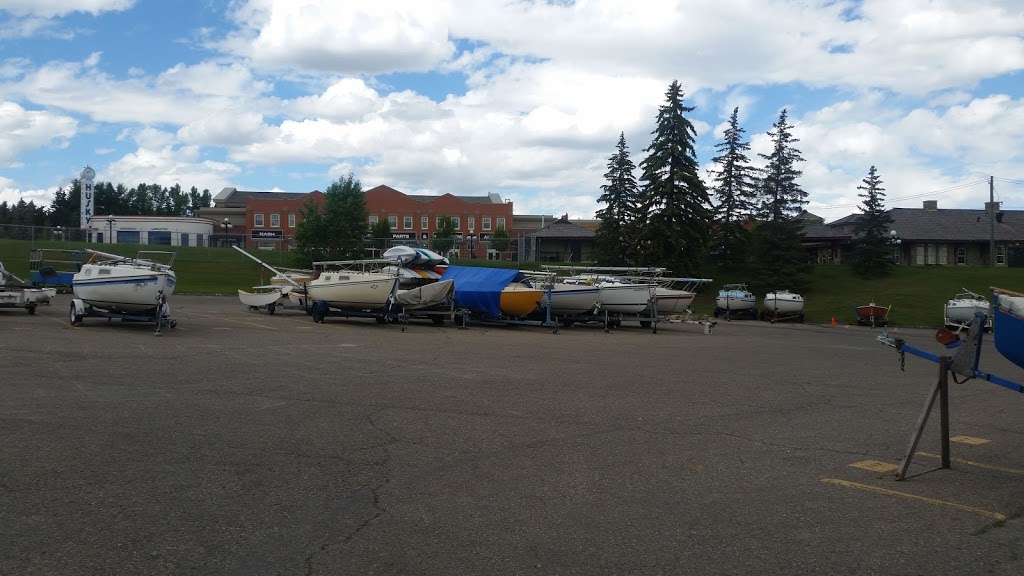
[
  {"x": 414, "y": 218},
  {"x": 257, "y": 219}
]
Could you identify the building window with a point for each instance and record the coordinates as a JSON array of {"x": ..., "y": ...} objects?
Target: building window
[
  {"x": 438, "y": 223},
  {"x": 424, "y": 222},
  {"x": 501, "y": 223},
  {"x": 486, "y": 221},
  {"x": 455, "y": 222},
  {"x": 393, "y": 222},
  {"x": 199, "y": 240},
  {"x": 1000, "y": 254},
  {"x": 470, "y": 222},
  {"x": 291, "y": 220},
  {"x": 943, "y": 254},
  {"x": 373, "y": 219},
  {"x": 919, "y": 254},
  {"x": 257, "y": 220},
  {"x": 275, "y": 220},
  {"x": 961, "y": 255},
  {"x": 930, "y": 257},
  {"x": 183, "y": 240},
  {"x": 407, "y": 223}
]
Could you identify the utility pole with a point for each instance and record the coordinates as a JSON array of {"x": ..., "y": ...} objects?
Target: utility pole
[{"x": 992, "y": 221}]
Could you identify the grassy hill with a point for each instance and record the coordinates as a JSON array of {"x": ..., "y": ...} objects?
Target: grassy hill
[{"x": 917, "y": 294}]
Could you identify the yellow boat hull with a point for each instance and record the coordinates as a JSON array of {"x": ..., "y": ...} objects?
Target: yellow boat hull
[{"x": 519, "y": 300}]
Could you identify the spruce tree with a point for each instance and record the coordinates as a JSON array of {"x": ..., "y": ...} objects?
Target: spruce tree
[
  {"x": 873, "y": 255},
  {"x": 674, "y": 207},
  {"x": 779, "y": 259},
  {"x": 612, "y": 242},
  {"x": 733, "y": 184}
]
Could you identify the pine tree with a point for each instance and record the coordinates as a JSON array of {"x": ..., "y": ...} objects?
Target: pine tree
[
  {"x": 779, "y": 259},
  {"x": 734, "y": 188},
  {"x": 674, "y": 201},
  {"x": 873, "y": 257},
  {"x": 612, "y": 242},
  {"x": 780, "y": 195}
]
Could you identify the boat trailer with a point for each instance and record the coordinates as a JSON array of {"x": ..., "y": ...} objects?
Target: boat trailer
[
  {"x": 963, "y": 362},
  {"x": 160, "y": 314}
]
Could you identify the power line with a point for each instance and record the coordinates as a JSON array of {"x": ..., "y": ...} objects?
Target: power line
[
  {"x": 911, "y": 197},
  {"x": 1007, "y": 180}
]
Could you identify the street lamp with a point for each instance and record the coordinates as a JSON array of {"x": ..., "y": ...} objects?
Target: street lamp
[
  {"x": 895, "y": 240},
  {"x": 58, "y": 233},
  {"x": 110, "y": 229},
  {"x": 226, "y": 225},
  {"x": 471, "y": 237}
]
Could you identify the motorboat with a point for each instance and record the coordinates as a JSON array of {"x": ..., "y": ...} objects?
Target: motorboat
[
  {"x": 735, "y": 299},
  {"x": 353, "y": 284},
  {"x": 1008, "y": 328},
  {"x": 123, "y": 285},
  {"x": 783, "y": 304},
  {"x": 873, "y": 314},
  {"x": 519, "y": 299},
  {"x": 960, "y": 309}
]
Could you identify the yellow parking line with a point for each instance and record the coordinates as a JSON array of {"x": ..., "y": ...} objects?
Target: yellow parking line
[
  {"x": 875, "y": 466},
  {"x": 230, "y": 320},
  {"x": 969, "y": 440},
  {"x": 975, "y": 464},
  {"x": 943, "y": 503}
]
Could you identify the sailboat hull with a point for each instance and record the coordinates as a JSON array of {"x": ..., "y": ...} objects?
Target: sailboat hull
[
  {"x": 122, "y": 289},
  {"x": 351, "y": 291},
  {"x": 625, "y": 298}
]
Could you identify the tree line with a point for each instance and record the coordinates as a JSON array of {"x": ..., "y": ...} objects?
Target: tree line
[
  {"x": 141, "y": 200},
  {"x": 667, "y": 218}
]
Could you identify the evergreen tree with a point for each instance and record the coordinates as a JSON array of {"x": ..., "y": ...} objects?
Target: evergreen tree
[
  {"x": 780, "y": 194},
  {"x": 612, "y": 241},
  {"x": 873, "y": 256},
  {"x": 779, "y": 259},
  {"x": 338, "y": 231},
  {"x": 674, "y": 201},
  {"x": 734, "y": 188},
  {"x": 444, "y": 236}
]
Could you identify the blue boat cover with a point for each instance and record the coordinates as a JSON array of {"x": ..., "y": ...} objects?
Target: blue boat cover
[{"x": 479, "y": 289}]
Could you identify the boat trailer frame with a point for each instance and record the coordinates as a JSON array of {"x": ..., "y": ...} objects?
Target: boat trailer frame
[{"x": 965, "y": 363}]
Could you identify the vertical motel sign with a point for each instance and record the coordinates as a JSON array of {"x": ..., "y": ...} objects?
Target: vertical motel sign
[{"x": 87, "y": 197}]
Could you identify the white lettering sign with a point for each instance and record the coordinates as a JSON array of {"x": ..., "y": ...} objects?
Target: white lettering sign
[{"x": 87, "y": 197}]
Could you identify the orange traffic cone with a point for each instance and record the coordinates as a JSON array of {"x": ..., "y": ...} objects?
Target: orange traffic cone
[{"x": 833, "y": 320}]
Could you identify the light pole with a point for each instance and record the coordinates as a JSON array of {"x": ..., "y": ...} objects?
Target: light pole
[
  {"x": 471, "y": 237},
  {"x": 895, "y": 240},
  {"x": 226, "y": 225},
  {"x": 58, "y": 233},
  {"x": 110, "y": 229}
]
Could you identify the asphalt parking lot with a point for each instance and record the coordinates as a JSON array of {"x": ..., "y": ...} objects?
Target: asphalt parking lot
[{"x": 245, "y": 443}]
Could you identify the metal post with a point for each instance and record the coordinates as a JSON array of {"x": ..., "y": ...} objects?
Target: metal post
[
  {"x": 992, "y": 220},
  {"x": 941, "y": 392}
]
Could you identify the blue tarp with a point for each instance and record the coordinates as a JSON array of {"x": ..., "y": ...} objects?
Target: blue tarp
[{"x": 479, "y": 289}]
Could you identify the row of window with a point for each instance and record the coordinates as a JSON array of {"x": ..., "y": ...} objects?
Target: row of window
[
  {"x": 485, "y": 221},
  {"x": 275, "y": 220},
  {"x": 937, "y": 254}
]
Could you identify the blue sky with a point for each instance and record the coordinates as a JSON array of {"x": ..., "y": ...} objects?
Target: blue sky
[{"x": 525, "y": 98}]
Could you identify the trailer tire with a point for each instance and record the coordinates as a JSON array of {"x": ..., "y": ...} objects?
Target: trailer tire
[
  {"x": 76, "y": 318},
  {"x": 437, "y": 320},
  {"x": 645, "y": 323},
  {"x": 271, "y": 308},
  {"x": 318, "y": 312}
]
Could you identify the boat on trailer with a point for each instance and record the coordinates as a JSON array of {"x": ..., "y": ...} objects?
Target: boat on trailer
[
  {"x": 354, "y": 287},
  {"x": 873, "y": 314},
  {"x": 132, "y": 289},
  {"x": 21, "y": 295},
  {"x": 782, "y": 305},
  {"x": 1008, "y": 327},
  {"x": 287, "y": 288},
  {"x": 960, "y": 310},
  {"x": 735, "y": 299}
]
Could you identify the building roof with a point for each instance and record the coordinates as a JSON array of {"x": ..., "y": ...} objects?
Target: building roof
[
  {"x": 949, "y": 224},
  {"x": 235, "y": 198},
  {"x": 562, "y": 228},
  {"x": 821, "y": 231}
]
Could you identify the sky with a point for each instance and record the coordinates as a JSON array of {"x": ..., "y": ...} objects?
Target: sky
[{"x": 524, "y": 98}]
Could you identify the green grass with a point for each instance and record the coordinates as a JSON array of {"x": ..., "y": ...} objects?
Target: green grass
[{"x": 917, "y": 294}]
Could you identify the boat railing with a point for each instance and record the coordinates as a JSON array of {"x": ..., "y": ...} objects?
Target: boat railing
[
  {"x": 142, "y": 259},
  {"x": 366, "y": 266}
]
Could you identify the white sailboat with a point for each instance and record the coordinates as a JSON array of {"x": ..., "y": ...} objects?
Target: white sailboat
[
  {"x": 358, "y": 285},
  {"x": 960, "y": 309},
  {"x": 119, "y": 284}
]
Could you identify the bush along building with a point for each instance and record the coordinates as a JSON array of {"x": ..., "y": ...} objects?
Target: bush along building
[{"x": 931, "y": 236}]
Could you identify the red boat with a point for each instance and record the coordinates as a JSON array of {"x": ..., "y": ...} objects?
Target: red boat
[{"x": 873, "y": 314}]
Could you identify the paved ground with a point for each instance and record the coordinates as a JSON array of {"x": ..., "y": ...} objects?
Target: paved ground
[{"x": 243, "y": 443}]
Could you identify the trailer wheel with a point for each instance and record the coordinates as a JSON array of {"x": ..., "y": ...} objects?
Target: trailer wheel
[
  {"x": 645, "y": 323},
  {"x": 271, "y": 308},
  {"x": 31, "y": 309},
  {"x": 76, "y": 318},
  {"x": 318, "y": 312},
  {"x": 437, "y": 320}
]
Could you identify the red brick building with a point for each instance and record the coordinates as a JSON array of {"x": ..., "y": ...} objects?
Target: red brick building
[
  {"x": 416, "y": 217},
  {"x": 258, "y": 219}
]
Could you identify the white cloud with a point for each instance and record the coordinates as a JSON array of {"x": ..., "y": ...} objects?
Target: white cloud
[
  {"x": 370, "y": 37},
  {"x": 22, "y": 130},
  {"x": 169, "y": 165},
  {"x": 12, "y": 195},
  {"x": 51, "y": 8}
]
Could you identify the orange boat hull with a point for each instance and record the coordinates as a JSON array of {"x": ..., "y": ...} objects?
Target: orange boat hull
[{"x": 518, "y": 301}]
